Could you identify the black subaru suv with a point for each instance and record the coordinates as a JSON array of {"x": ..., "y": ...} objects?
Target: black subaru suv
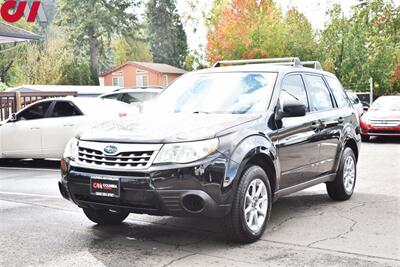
[{"x": 222, "y": 142}]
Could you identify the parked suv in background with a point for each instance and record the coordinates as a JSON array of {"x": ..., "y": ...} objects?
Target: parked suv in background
[{"x": 224, "y": 142}]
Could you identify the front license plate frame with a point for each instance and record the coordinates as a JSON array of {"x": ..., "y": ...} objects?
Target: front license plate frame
[{"x": 105, "y": 186}]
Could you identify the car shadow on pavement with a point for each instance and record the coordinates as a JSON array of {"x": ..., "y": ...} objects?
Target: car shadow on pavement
[
  {"x": 31, "y": 164},
  {"x": 141, "y": 237}
]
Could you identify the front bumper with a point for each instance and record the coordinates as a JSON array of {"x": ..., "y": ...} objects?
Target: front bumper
[
  {"x": 371, "y": 130},
  {"x": 175, "y": 190}
]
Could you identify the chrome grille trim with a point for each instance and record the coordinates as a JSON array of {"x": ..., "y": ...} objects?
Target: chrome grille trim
[
  {"x": 128, "y": 156},
  {"x": 385, "y": 122}
]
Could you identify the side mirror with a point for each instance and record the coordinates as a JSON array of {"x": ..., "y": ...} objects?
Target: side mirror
[
  {"x": 13, "y": 118},
  {"x": 293, "y": 108}
]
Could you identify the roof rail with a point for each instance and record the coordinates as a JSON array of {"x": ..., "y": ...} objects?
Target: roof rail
[
  {"x": 315, "y": 64},
  {"x": 291, "y": 61}
]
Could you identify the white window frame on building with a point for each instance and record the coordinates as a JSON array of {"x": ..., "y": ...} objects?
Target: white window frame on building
[
  {"x": 142, "y": 80},
  {"x": 165, "y": 81},
  {"x": 118, "y": 81}
]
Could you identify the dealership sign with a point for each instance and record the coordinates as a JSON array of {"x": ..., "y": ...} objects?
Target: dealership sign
[{"x": 12, "y": 11}]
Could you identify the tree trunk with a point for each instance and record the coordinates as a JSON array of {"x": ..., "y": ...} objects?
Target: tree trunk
[{"x": 94, "y": 54}]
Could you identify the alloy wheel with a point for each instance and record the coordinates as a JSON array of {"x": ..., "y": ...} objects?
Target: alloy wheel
[{"x": 256, "y": 205}]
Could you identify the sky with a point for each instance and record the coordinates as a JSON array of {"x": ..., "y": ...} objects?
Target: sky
[{"x": 314, "y": 10}]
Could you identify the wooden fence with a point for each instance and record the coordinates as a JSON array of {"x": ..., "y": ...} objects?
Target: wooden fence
[{"x": 15, "y": 101}]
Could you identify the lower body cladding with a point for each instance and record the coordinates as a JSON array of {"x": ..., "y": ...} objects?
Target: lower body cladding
[{"x": 184, "y": 191}]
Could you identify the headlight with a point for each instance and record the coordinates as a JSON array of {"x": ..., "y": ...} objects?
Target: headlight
[
  {"x": 71, "y": 150},
  {"x": 186, "y": 152}
]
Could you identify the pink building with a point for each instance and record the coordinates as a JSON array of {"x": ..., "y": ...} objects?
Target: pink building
[{"x": 141, "y": 74}]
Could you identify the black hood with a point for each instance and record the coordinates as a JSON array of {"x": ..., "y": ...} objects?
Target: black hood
[{"x": 168, "y": 128}]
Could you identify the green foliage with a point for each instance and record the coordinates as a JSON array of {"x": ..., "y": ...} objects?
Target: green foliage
[
  {"x": 129, "y": 49},
  {"x": 300, "y": 40},
  {"x": 356, "y": 48},
  {"x": 166, "y": 35},
  {"x": 49, "y": 62},
  {"x": 90, "y": 25},
  {"x": 363, "y": 46},
  {"x": 3, "y": 86},
  {"x": 76, "y": 72}
]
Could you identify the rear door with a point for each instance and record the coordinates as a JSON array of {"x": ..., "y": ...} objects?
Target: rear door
[
  {"x": 63, "y": 123},
  {"x": 330, "y": 120},
  {"x": 298, "y": 138},
  {"x": 22, "y": 138}
]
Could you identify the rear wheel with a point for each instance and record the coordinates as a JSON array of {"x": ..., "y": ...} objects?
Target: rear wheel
[
  {"x": 365, "y": 138},
  {"x": 342, "y": 187},
  {"x": 251, "y": 207},
  {"x": 105, "y": 216}
]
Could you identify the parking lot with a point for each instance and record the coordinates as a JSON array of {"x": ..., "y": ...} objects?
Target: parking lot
[{"x": 38, "y": 227}]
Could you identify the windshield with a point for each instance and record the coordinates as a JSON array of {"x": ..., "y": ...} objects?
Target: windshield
[
  {"x": 229, "y": 93},
  {"x": 387, "y": 103}
]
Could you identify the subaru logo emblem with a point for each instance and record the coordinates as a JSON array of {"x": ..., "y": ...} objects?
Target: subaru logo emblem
[{"x": 110, "y": 149}]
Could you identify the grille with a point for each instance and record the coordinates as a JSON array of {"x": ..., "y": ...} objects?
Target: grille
[
  {"x": 385, "y": 122},
  {"x": 129, "y": 156},
  {"x": 383, "y": 132}
]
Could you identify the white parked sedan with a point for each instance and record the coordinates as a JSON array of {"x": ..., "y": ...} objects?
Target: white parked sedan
[{"x": 43, "y": 129}]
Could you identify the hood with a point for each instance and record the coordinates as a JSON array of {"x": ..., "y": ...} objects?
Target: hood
[
  {"x": 382, "y": 115},
  {"x": 168, "y": 128}
]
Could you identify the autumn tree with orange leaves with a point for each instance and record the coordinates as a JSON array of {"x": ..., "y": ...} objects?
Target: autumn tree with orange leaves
[{"x": 245, "y": 29}]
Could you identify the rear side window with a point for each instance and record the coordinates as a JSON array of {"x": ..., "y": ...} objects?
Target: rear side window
[
  {"x": 319, "y": 94},
  {"x": 131, "y": 98},
  {"x": 37, "y": 111},
  {"x": 65, "y": 109},
  {"x": 337, "y": 91},
  {"x": 294, "y": 86},
  {"x": 113, "y": 96}
]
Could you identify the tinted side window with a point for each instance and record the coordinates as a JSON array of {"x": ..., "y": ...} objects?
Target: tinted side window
[
  {"x": 294, "y": 85},
  {"x": 113, "y": 96},
  {"x": 131, "y": 98},
  {"x": 37, "y": 111},
  {"x": 65, "y": 109},
  {"x": 319, "y": 94},
  {"x": 338, "y": 92}
]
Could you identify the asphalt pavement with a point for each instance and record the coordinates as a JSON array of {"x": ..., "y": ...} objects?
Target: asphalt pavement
[{"x": 39, "y": 228}]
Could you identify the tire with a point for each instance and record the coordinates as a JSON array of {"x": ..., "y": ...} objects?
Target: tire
[
  {"x": 365, "y": 138},
  {"x": 342, "y": 187},
  {"x": 105, "y": 217},
  {"x": 235, "y": 224}
]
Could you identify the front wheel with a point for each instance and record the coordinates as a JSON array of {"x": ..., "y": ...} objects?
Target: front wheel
[
  {"x": 342, "y": 187},
  {"x": 105, "y": 216},
  {"x": 251, "y": 207}
]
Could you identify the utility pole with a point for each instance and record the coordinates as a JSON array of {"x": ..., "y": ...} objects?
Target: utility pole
[{"x": 371, "y": 91}]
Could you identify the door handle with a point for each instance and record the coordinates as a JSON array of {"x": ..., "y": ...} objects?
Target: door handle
[
  {"x": 35, "y": 128},
  {"x": 340, "y": 120},
  {"x": 315, "y": 125},
  {"x": 68, "y": 125}
]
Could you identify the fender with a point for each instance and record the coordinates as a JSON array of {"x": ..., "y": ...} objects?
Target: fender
[
  {"x": 244, "y": 151},
  {"x": 349, "y": 133}
]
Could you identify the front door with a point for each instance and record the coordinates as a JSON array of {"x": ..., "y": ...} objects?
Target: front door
[
  {"x": 22, "y": 138},
  {"x": 63, "y": 123},
  {"x": 298, "y": 138}
]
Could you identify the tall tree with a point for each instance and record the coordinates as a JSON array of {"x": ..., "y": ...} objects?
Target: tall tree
[
  {"x": 92, "y": 23},
  {"x": 130, "y": 49},
  {"x": 363, "y": 46},
  {"x": 167, "y": 37},
  {"x": 300, "y": 40},
  {"x": 245, "y": 29}
]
